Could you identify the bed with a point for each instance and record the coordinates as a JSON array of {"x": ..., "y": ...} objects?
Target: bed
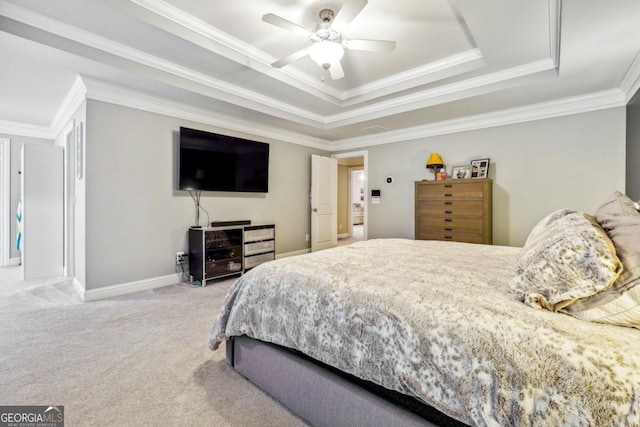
[{"x": 482, "y": 335}]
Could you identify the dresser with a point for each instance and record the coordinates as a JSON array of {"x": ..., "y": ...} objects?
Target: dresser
[
  {"x": 458, "y": 210},
  {"x": 216, "y": 252},
  {"x": 357, "y": 214}
]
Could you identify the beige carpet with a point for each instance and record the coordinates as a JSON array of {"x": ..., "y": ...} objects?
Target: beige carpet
[{"x": 136, "y": 360}]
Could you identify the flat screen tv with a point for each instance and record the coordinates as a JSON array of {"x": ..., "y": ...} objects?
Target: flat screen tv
[{"x": 214, "y": 162}]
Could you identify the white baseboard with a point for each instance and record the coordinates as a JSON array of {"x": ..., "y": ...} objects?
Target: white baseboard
[
  {"x": 130, "y": 287},
  {"x": 144, "y": 285},
  {"x": 79, "y": 288},
  {"x": 14, "y": 261},
  {"x": 344, "y": 235},
  {"x": 294, "y": 253}
]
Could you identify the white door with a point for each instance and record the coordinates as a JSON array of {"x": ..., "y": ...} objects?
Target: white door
[
  {"x": 324, "y": 206},
  {"x": 42, "y": 211}
]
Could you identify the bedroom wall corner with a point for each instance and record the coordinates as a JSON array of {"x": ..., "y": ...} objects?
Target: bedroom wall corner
[
  {"x": 76, "y": 266},
  {"x": 633, "y": 148}
]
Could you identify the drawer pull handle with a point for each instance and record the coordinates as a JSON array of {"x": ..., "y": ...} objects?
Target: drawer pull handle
[
  {"x": 448, "y": 202},
  {"x": 448, "y": 212},
  {"x": 448, "y": 194},
  {"x": 448, "y": 237},
  {"x": 448, "y": 229},
  {"x": 448, "y": 185},
  {"x": 448, "y": 220}
]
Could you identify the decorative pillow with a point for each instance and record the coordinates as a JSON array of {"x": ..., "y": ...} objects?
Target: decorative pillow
[
  {"x": 566, "y": 257},
  {"x": 619, "y": 218},
  {"x": 617, "y": 204},
  {"x": 610, "y": 307},
  {"x": 540, "y": 229},
  {"x": 620, "y": 304}
]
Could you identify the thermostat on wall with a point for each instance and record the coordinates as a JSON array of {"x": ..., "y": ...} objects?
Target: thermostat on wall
[{"x": 375, "y": 197}]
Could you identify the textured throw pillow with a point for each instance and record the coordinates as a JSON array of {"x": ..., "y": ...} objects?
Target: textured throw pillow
[
  {"x": 620, "y": 304},
  {"x": 567, "y": 257},
  {"x": 617, "y": 204},
  {"x": 615, "y": 308}
]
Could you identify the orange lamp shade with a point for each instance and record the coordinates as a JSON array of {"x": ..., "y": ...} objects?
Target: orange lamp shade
[{"x": 435, "y": 161}]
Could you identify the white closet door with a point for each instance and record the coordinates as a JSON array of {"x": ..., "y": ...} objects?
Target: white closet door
[{"x": 42, "y": 211}]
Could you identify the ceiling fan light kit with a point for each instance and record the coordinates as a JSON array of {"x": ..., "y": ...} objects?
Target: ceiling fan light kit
[
  {"x": 328, "y": 46},
  {"x": 326, "y": 53}
]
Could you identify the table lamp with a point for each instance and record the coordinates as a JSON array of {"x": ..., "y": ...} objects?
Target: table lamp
[{"x": 435, "y": 163}]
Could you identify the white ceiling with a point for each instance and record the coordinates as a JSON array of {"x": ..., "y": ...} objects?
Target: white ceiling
[{"x": 457, "y": 64}]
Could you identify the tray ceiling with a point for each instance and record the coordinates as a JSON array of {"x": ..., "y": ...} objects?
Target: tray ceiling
[{"x": 453, "y": 60}]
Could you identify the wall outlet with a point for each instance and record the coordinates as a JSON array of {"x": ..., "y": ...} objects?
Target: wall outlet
[
  {"x": 180, "y": 258},
  {"x": 306, "y": 238}
]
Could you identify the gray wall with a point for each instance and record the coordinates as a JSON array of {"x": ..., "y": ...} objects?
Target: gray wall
[
  {"x": 537, "y": 167},
  {"x": 633, "y": 147},
  {"x": 136, "y": 219},
  {"x": 16, "y": 149}
]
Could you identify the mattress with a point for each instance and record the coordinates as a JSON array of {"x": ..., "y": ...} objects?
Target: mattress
[{"x": 438, "y": 321}]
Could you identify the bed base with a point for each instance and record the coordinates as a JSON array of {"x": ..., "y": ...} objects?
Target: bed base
[{"x": 316, "y": 393}]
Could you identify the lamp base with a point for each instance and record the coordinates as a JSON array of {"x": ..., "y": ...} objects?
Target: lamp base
[{"x": 435, "y": 169}]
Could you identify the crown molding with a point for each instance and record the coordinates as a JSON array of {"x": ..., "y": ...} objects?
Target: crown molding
[
  {"x": 26, "y": 129},
  {"x": 471, "y": 87},
  {"x": 239, "y": 51},
  {"x": 106, "y": 92},
  {"x": 545, "y": 110},
  {"x": 72, "y": 101},
  {"x": 630, "y": 83},
  {"x": 222, "y": 44},
  {"x": 70, "y": 104},
  {"x": 429, "y": 73},
  {"x": 187, "y": 79},
  {"x": 171, "y": 72}
]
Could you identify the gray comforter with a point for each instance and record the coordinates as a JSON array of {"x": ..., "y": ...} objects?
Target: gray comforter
[{"x": 437, "y": 320}]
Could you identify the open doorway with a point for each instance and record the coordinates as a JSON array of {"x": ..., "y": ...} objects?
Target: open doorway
[{"x": 352, "y": 191}]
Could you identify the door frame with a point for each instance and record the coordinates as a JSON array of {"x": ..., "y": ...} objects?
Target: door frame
[
  {"x": 365, "y": 161},
  {"x": 5, "y": 202},
  {"x": 351, "y": 170},
  {"x": 70, "y": 139}
]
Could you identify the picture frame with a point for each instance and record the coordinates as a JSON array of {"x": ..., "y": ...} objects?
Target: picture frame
[
  {"x": 480, "y": 168},
  {"x": 461, "y": 172}
]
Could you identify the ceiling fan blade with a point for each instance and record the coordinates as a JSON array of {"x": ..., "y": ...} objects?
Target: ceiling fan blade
[
  {"x": 291, "y": 58},
  {"x": 272, "y": 19},
  {"x": 336, "y": 71},
  {"x": 348, "y": 13},
  {"x": 371, "y": 45}
]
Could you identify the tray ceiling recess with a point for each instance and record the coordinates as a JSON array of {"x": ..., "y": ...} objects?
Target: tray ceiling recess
[{"x": 408, "y": 69}]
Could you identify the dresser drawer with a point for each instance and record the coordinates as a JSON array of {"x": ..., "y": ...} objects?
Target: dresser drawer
[
  {"x": 440, "y": 224},
  {"x": 453, "y": 236},
  {"x": 450, "y": 207},
  {"x": 449, "y": 190},
  {"x": 252, "y": 261},
  {"x": 259, "y": 234},
  {"x": 259, "y": 247}
]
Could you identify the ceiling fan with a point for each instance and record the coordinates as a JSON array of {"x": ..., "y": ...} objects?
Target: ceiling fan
[{"x": 327, "y": 43}]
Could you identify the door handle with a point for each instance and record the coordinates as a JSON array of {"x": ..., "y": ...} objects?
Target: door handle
[{"x": 315, "y": 209}]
